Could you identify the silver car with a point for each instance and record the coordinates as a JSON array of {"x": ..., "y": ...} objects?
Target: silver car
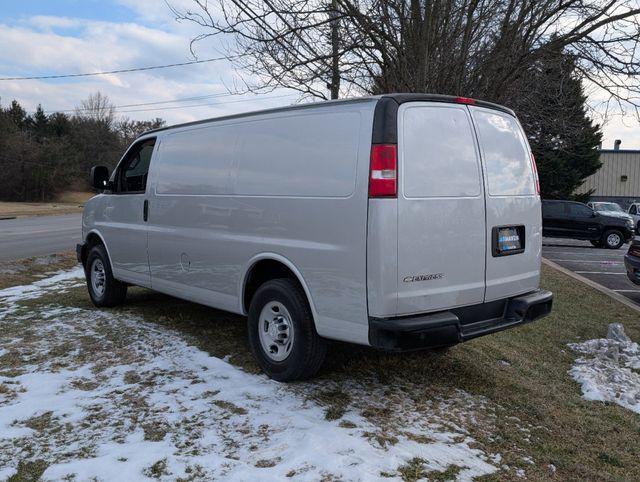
[{"x": 399, "y": 221}]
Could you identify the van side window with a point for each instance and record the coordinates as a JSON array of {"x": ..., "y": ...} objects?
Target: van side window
[
  {"x": 633, "y": 210},
  {"x": 506, "y": 155},
  {"x": 132, "y": 174}
]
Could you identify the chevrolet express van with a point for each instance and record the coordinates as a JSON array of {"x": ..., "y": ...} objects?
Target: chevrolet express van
[{"x": 398, "y": 221}]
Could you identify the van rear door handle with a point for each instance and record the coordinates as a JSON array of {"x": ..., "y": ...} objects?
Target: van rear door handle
[{"x": 145, "y": 210}]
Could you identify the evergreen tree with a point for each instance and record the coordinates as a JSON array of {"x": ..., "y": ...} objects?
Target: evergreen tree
[{"x": 551, "y": 105}]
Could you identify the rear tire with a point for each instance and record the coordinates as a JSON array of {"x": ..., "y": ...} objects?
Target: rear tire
[
  {"x": 281, "y": 332},
  {"x": 104, "y": 289},
  {"x": 597, "y": 243},
  {"x": 612, "y": 239}
]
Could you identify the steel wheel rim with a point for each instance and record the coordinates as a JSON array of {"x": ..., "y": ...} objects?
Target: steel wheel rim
[
  {"x": 98, "y": 277},
  {"x": 613, "y": 239},
  {"x": 275, "y": 330}
]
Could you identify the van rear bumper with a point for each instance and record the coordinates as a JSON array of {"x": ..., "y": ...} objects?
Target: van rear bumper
[{"x": 458, "y": 325}]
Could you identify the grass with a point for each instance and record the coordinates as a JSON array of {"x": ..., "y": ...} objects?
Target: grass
[
  {"x": 65, "y": 203},
  {"x": 534, "y": 409},
  {"x": 25, "y": 271}
]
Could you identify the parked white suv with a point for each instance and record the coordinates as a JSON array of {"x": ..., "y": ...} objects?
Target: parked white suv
[{"x": 399, "y": 221}]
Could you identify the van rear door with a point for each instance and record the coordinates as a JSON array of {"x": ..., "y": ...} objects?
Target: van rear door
[
  {"x": 441, "y": 209},
  {"x": 514, "y": 220}
]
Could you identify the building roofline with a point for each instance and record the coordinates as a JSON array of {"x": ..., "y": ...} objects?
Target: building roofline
[{"x": 621, "y": 151}]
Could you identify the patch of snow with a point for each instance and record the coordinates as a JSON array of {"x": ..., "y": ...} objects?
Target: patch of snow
[
  {"x": 607, "y": 369},
  {"x": 125, "y": 394},
  {"x": 34, "y": 290}
]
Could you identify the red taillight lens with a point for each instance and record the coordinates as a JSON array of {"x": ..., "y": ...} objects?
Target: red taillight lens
[
  {"x": 634, "y": 250},
  {"x": 465, "y": 100},
  {"x": 383, "y": 171},
  {"x": 536, "y": 179}
]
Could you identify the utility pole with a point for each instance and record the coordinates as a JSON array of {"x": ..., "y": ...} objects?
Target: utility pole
[{"x": 334, "y": 86}]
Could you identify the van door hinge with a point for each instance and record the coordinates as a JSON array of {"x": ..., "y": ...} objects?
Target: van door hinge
[{"x": 145, "y": 210}]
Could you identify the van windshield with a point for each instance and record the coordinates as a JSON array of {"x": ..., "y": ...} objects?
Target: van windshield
[{"x": 506, "y": 154}]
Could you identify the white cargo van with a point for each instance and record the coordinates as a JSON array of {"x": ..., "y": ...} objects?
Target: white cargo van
[{"x": 400, "y": 221}]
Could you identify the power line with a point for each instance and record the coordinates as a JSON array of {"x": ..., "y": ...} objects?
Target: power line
[
  {"x": 121, "y": 71},
  {"x": 207, "y": 104},
  {"x": 185, "y": 99}
]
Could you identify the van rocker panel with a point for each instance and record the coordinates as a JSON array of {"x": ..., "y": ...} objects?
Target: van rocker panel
[{"x": 448, "y": 328}]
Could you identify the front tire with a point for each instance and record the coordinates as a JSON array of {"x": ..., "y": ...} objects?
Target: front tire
[
  {"x": 613, "y": 239},
  {"x": 104, "y": 289},
  {"x": 281, "y": 333}
]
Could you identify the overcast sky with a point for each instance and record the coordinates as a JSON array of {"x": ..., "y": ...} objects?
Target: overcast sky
[{"x": 41, "y": 37}]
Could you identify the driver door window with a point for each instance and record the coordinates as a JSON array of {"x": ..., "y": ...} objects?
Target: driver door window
[{"x": 132, "y": 174}]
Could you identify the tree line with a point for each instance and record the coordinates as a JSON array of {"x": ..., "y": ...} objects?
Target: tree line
[{"x": 43, "y": 154}]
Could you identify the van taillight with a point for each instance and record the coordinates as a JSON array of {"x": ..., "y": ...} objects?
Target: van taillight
[
  {"x": 383, "y": 171},
  {"x": 536, "y": 179}
]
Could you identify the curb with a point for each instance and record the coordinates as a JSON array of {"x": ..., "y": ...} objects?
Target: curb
[{"x": 610, "y": 293}]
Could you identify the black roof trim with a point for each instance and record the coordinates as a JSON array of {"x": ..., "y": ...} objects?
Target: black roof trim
[
  {"x": 402, "y": 98},
  {"x": 385, "y": 120}
]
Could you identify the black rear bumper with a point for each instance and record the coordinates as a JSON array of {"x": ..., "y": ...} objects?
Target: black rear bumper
[{"x": 458, "y": 325}]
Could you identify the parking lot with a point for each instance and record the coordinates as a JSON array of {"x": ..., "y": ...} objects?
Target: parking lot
[{"x": 604, "y": 266}]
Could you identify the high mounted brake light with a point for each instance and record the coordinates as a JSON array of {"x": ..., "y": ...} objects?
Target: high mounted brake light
[
  {"x": 383, "y": 171},
  {"x": 465, "y": 100}
]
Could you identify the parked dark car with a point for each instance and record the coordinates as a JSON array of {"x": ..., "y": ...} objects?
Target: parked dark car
[
  {"x": 570, "y": 219},
  {"x": 632, "y": 262}
]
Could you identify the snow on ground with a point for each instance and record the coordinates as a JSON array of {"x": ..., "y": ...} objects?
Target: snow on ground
[
  {"x": 609, "y": 369},
  {"x": 106, "y": 395}
]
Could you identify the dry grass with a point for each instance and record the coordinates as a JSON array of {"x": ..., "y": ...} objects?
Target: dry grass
[
  {"x": 25, "y": 271},
  {"x": 66, "y": 203},
  {"x": 535, "y": 415}
]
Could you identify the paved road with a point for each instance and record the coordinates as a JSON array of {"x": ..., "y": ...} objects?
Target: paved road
[
  {"x": 604, "y": 266},
  {"x": 39, "y": 235}
]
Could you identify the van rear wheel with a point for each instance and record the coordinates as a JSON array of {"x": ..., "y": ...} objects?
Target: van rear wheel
[
  {"x": 613, "y": 239},
  {"x": 282, "y": 336},
  {"x": 104, "y": 289}
]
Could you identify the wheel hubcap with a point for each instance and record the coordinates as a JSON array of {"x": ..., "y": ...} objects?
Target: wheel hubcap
[
  {"x": 276, "y": 331},
  {"x": 98, "y": 277},
  {"x": 613, "y": 239}
]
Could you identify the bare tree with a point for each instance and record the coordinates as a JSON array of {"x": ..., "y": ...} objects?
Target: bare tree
[
  {"x": 97, "y": 107},
  {"x": 478, "y": 48}
]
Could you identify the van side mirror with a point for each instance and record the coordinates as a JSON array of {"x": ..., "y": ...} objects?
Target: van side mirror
[{"x": 99, "y": 177}]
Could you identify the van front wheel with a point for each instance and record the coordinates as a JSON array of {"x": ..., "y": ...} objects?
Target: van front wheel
[
  {"x": 282, "y": 336},
  {"x": 104, "y": 289}
]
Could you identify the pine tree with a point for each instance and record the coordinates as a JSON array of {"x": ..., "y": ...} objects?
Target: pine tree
[{"x": 552, "y": 108}]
